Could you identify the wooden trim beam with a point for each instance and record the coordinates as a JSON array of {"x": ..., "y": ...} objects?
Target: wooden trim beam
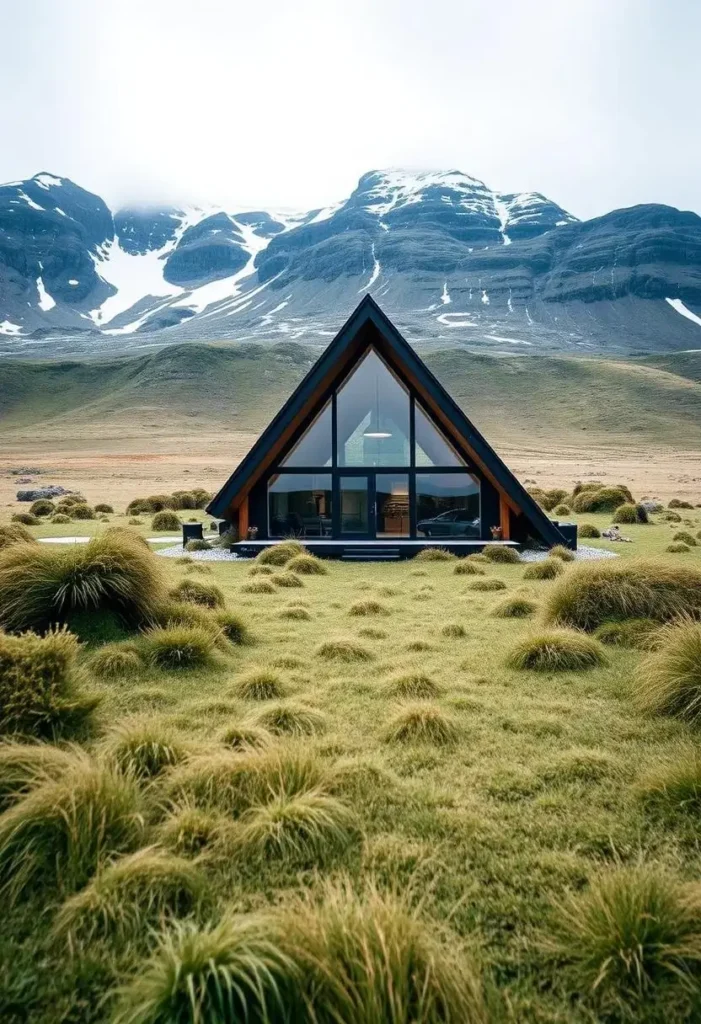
[
  {"x": 243, "y": 518},
  {"x": 504, "y": 517}
]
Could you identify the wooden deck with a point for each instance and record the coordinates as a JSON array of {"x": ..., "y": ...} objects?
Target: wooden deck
[{"x": 384, "y": 550}]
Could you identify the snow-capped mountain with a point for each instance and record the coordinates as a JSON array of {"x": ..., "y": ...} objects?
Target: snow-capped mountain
[{"x": 450, "y": 259}]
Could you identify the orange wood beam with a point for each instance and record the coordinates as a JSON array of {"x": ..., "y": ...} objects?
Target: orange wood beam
[
  {"x": 243, "y": 519},
  {"x": 504, "y": 518}
]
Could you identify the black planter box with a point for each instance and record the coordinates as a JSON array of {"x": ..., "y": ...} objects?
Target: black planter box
[{"x": 192, "y": 531}]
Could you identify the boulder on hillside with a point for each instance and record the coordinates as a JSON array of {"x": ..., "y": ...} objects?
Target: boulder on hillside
[{"x": 50, "y": 491}]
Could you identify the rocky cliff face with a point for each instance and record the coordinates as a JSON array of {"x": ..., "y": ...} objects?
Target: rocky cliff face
[{"x": 450, "y": 259}]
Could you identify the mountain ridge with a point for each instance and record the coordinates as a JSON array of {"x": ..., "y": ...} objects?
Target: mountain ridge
[{"x": 451, "y": 260}]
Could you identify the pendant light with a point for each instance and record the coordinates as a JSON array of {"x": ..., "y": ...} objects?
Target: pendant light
[{"x": 375, "y": 430}]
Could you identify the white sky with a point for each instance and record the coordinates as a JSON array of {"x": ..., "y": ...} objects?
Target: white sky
[{"x": 287, "y": 102}]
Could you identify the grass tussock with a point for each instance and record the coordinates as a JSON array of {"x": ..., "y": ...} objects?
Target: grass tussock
[
  {"x": 466, "y": 567},
  {"x": 179, "y": 647},
  {"x": 130, "y": 895},
  {"x": 165, "y": 521},
  {"x": 307, "y": 565},
  {"x": 258, "y": 586},
  {"x": 561, "y": 552},
  {"x": 188, "y": 830},
  {"x": 244, "y": 737},
  {"x": 40, "y": 586},
  {"x": 422, "y": 723},
  {"x": 592, "y": 593},
  {"x": 632, "y": 931},
  {"x": 489, "y": 583},
  {"x": 25, "y": 518},
  {"x": 117, "y": 661},
  {"x": 63, "y": 830},
  {"x": 15, "y": 533},
  {"x": 434, "y": 555},
  {"x": 369, "y": 606},
  {"x": 414, "y": 686},
  {"x": 343, "y": 650},
  {"x": 637, "y": 633},
  {"x": 234, "y": 782},
  {"x": 261, "y": 570},
  {"x": 143, "y": 747},
  {"x": 501, "y": 555},
  {"x": 40, "y": 692},
  {"x": 685, "y": 537},
  {"x": 294, "y": 720},
  {"x": 678, "y": 548},
  {"x": 208, "y": 595},
  {"x": 515, "y": 608},
  {"x": 233, "y": 626},
  {"x": 558, "y": 650},
  {"x": 307, "y": 828},
  {"x": 453, "y": 630},
  {"x": 23, "y": 766},
  {"x": 287, "y": 579},
  {"x": 280, "y": 554},
  {"x": 260, "y": 684},
  {"x": 669, "y": 679},
  {"x": 545, "y": 570},
  {"x": 296, "y": 613},
  {"x": 588, "y": 531}
]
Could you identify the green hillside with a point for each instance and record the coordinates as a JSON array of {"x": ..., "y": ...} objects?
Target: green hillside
[{"x": 239, "y": 387}]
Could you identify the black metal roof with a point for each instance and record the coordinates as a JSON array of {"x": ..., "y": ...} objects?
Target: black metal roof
[{"x": 368, "y": 312}]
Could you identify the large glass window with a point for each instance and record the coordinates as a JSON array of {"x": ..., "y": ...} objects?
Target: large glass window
[
  {"x": 447, "y": 505},
  {"x": 354, "y": 494},
  {"x": 432, "y": 448},
  {"x": 299, "y": 505},
  {"x": 392, "y": 502},
  {"x": 314, "y": 446},
  {"x": 373, "y": 417}
]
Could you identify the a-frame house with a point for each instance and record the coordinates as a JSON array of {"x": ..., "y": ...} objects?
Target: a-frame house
[{"x": 370, "y": 456}]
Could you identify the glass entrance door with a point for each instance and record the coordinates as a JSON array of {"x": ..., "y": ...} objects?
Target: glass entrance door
[{"x": 354, "y": 503}]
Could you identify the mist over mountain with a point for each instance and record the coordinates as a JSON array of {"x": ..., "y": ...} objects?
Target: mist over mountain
[{"x": 450, "y": 260}]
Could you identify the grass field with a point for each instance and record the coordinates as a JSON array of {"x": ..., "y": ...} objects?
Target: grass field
[{"x": 482, "y": 796}]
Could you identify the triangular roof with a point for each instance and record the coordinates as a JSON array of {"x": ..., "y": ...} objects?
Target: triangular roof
[{"x": 368, "y": 324}]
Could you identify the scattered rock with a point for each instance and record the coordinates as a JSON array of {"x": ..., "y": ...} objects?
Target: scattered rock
[{"x": 50, "y": 491}]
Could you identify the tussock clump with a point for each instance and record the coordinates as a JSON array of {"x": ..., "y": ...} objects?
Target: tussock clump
[
  {"x": 292, "y": 720},
  {"x": 295, "y": 612},
  {"x": 15, "y": 533},
  {"x": 209, "y": 595},
  {"x": 559, "y": 650},
  {"x": 477, "y": 559},
  {"x": 287, "y": 579},
  {"x": 515, "y": 608},
  {"x": 685, "y": 537},
  {"x": 143, "y": 747},
  {"x": 179, "y": 647},
  {"x": 588, "y": 530},
  {"x": 466, "y": 567},
  {"x": 118, "y": 532},
  {"x": 235, "y": 781},
  {"x": 307, "y": 565},
  {"x": 487, "y": 584},
  {"x": 198, "y": 544},
  {"x": 82, "y": 512},
  {"x": 630, "y": 931},
  {"x": 630, "y": 513},
  {"x": 372, "y": 633},
  {"x": 592, "y": 593},
  {"x": 677, "y": 548},
  {"x": 261, "y": 570},
  {"x": 677, "y": 503},
  {"x": 165, "y": 520},
  {"x": 670, "y": 517},
  {"x": 498, "y": 554},
  {"x": 25, "y": 518},
  {"x": 562, "y": 510},
  {"x": 180, "y": 613},
  {"x": 561, "y": 552},
  {"x": 40, "y": 586},
  {"x": 455, "y": 630},
  {"x": 233, "y": 627},
  {"x": 188, "y": 830},
  {"x": 669, "y": 680},
  {"x": 434, "y": 555},
  {"x": 103, "y": 507},
  {"x": 638, "y": 633},
  {"x": 305, "y": 828},
  {"x": 117, "y": 661},
  {"x": 69, "y": 500},
  {"x": 605, "y": 499},
  {"x": 258, "y": 587},
  {"x": 414, "y": 686},
  {"x": 59, "y": 519},
  {"x": 241, "y": 737},
  {"x": 58, "y": 835},
  {"x": 343, "y": 650},
  {"x": 128, "y": 896},
  {"x": 546, "y": 570},
  {"x": 280, "y": 554},
  {"x": 368, "y": 607},
  {"x": 23, "y": 766},
  {"x": 261, "y": 684},
  {"x": 39, "y": 691},
  {"x": 42, "y": 507},
  {"x": 581, "y": 765},
  {"x": 422, "y": 723}
]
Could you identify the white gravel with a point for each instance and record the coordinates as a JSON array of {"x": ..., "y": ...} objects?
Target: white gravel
[
  {"x": 84, "y": 540},
  {"x": 582, "y": 554}
]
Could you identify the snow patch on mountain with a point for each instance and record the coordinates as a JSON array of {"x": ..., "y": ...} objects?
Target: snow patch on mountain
[
  {"x": 45, "y": 301},
  {"x": 679, "y": 306}
]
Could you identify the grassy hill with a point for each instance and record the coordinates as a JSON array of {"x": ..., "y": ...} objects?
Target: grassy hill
[{"x": 190, "y": 388}]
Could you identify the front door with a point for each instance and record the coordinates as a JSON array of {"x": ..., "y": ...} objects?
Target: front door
[
  {"x": 356, "y": 504},
  {"x": 374, "y": 505}
]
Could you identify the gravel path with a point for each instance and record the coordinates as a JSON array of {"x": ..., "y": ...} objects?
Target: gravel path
[{"x": 222, "y": 555}]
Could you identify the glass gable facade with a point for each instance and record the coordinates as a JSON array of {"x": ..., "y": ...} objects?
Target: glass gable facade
[{"x": 372, "y": 463}]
